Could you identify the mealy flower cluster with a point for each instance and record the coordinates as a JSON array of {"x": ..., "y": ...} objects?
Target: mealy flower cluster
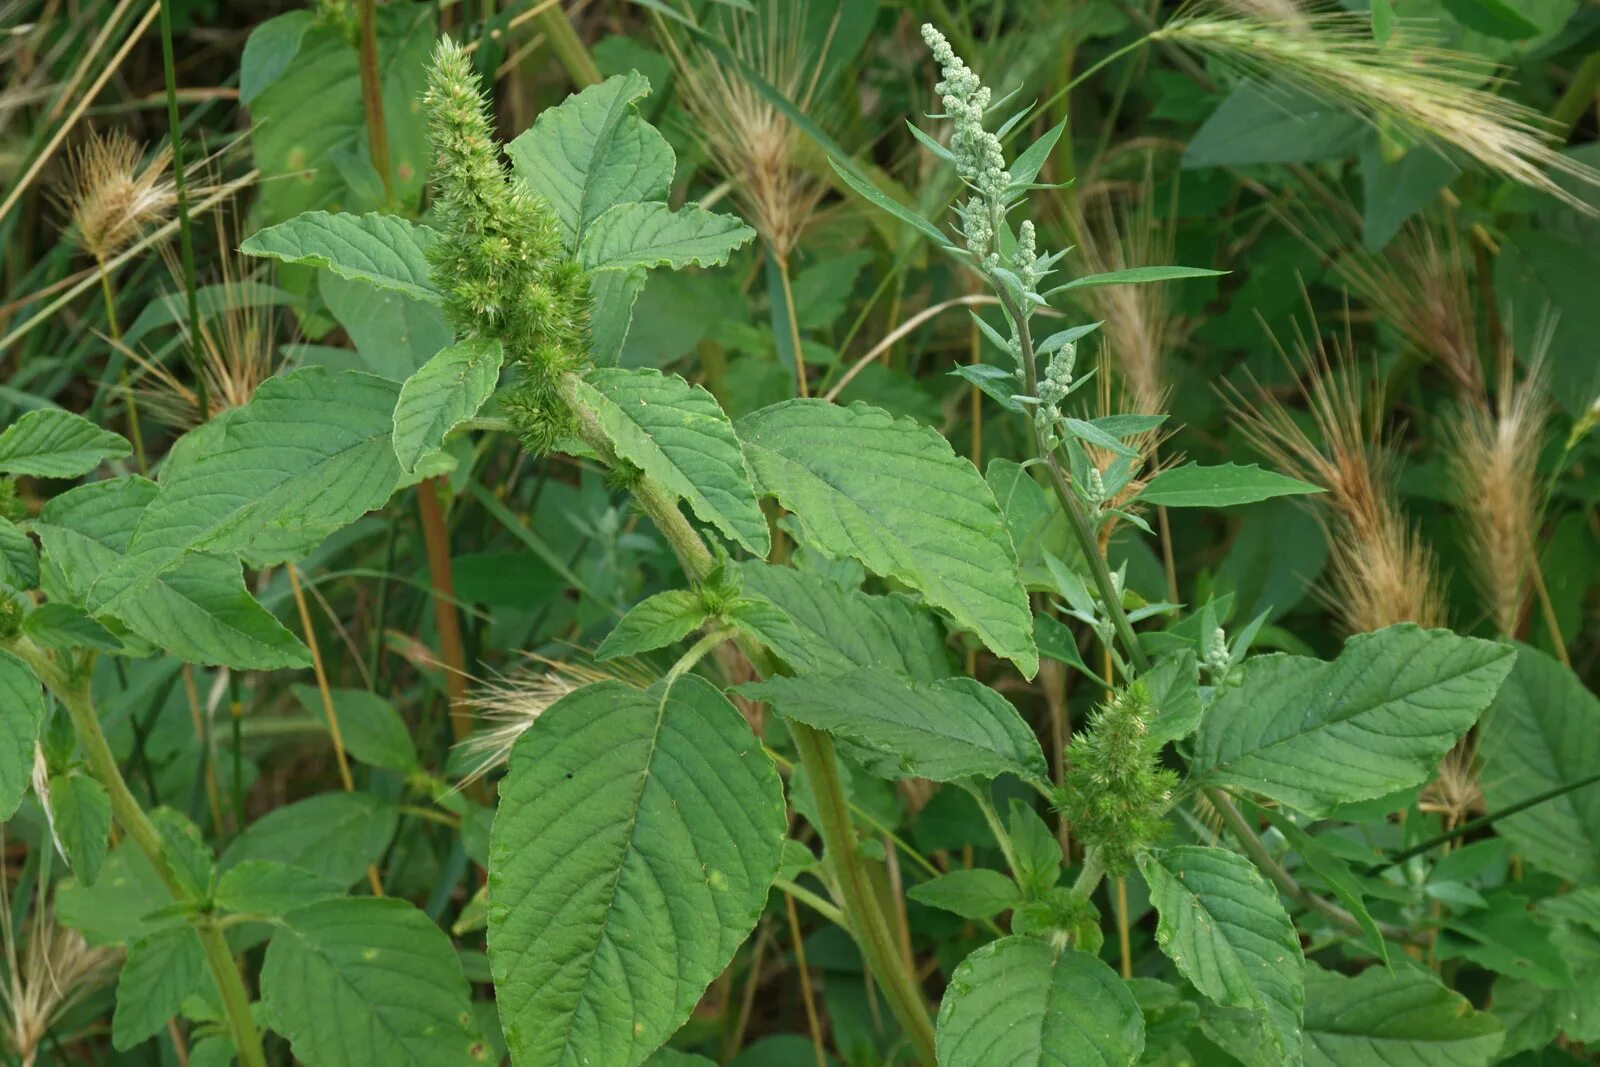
[
  {"x": 1115, "y": 792},
  {"x": 979, "y": 159},
  {"x": 501, "y": 263}
]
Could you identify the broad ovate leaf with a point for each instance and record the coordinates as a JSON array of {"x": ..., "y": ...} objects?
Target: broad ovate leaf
[
  {"x": 369, "y": 982},
  {"x": 312, "y": 450},
  {"x": 650, "y": 234},
  {"x": 677, "y": 434},
  {"x": 1021, "y": 1002},
  {"x": 1224, "y": 928},
  {"x": 199, "y": 610},
  {"x": 1394, "y": 1016},
  {"x": 334, "y": 835},
  {"x": 1541, "y": 733},
  {"x": 51, "y": 443},
  {"x": 23, "y": 702},
  {"x": 655, "y": 622},
  {"x": 162, "y": 970},
  {"x": 592, "y": 152},
  {"x": 893, "y": 494},
  {"x": 837, "y": 630},
  {"x": 445, "y": 392},
  {"x": 1222, "y": 486},
  {"x": 637, "y": 836},
  {"x": 1376, "y": 720},
  {"x": 383, "y": 250},
  {"x": 945, "y": 730}
]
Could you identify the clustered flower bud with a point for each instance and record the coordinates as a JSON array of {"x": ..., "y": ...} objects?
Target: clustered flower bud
[
  {"x": 1055, "y": 385},
  {"x": 1218, "y": 661},
  {"x": 979, "y": 159},
  {"x": 501, "y": 262},
  {"x": 1115, "y": 791}
]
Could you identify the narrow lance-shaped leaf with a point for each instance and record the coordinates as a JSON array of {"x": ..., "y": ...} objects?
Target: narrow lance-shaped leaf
[
  {"x": 637, "y": 835},
  {"x": 1226, "y": 485},
  {"x": 51, "y": 443},
  {"x": 445, "y": 392},
  {"x": 1135, "y": 276},
  {"x": 1377, "y": 719},
  {"x": 1224, "y": 928},
  {"x": 383, "y": 250},
  {"x": 892, "y": 494}
]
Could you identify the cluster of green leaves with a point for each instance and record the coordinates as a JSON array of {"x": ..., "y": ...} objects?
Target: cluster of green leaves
[{"x": 814, "y": 623}]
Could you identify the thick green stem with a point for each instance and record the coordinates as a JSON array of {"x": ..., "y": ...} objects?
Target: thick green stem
[
  {"x": 1082, "y": 529},
  {"x": 73, "y": 692},
  {"x": 866, "y": 919}
]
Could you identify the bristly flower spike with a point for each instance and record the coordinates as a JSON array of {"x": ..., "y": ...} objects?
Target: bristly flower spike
[{"x": 501, "y": 262}]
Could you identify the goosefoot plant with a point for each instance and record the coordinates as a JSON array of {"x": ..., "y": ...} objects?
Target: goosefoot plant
[{"x": 640, "y": 830}]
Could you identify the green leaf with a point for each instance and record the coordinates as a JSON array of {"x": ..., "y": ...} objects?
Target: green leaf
[
  {"x": 676, "y": 433},
  {"x": 892, "y": 494},
  {"x": 1036, "y": 847},
  {"x": 1376, "y": 720},
  {"x": 268, "y": 51},
  {"x": 654, "y": 622},
  {"x": 943, "y": 731},
  {"x": 266, "y": 887},
  {"x": 1333, "y": 870},
  {"x": 837, "y": 630},
  {"x": 19, "y": 561},
  {"x": 51, "y": 443},
  {"x": 80, "y": 818},
  {"x": 637, "y": 835},
  {"x": 593, "y": 152},
  {"x": 60, "y": 625},
  {"x": 612, "y": 294},
  {"x": 1194, "y": 486},
  {"x": 383, "y": 250},
  {"x": 1543, "y": 732},
  {"x": 23, "y": 701},
  {"x": 1136, "y": 276},
  {"x": 1174, "y": 688},
  {"x": 199, "y": 609},
  {"x": 445, "y": 392},
  {"x": 372, "y": 730},
  {"x": 163, "y": 969},
  {"x": 335, "y": 835},
  {"x": 650, "y": 234},
  {"x": 972, "y": 894},
  {"x": 1493, "y": 17},
  {"x": 879, "y": 199},
  {"x": 312, "y": 449},
  {"x": 1275, "y": 124},
  {"x": 117, "y": 909},
  {"x": 1224, "y": 928},
  {"x": 368, "y": 982},
  {"x": 1019, "y": 1002},
  {"x": 1400, "y": 1016}
]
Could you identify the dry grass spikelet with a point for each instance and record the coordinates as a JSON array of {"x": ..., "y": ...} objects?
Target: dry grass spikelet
[
  {"x": 111, "y": 194},
  {"x": 1138, "y": 324},
  {"x": 1431, "y": 93},
  {"x": 511, "y": 704},
  {"x": 239, "y": 346},
  {"x": 47, "y": 976},
  {"x": 1456, "y": 791},
  {"x": 755, "y": 145},
  {"x": 1381, "y": 571},
  {"x": 1493, "y": 459}
]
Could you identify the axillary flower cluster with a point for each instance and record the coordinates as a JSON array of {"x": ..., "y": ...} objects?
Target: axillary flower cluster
[{"x": 501, "y": 262}]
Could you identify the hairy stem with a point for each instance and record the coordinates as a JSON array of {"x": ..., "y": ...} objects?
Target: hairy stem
[
  {"x": 372, "y": 97},
  {"x": 72, "y": 690},
  {"x": 865, "y": 916}
]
